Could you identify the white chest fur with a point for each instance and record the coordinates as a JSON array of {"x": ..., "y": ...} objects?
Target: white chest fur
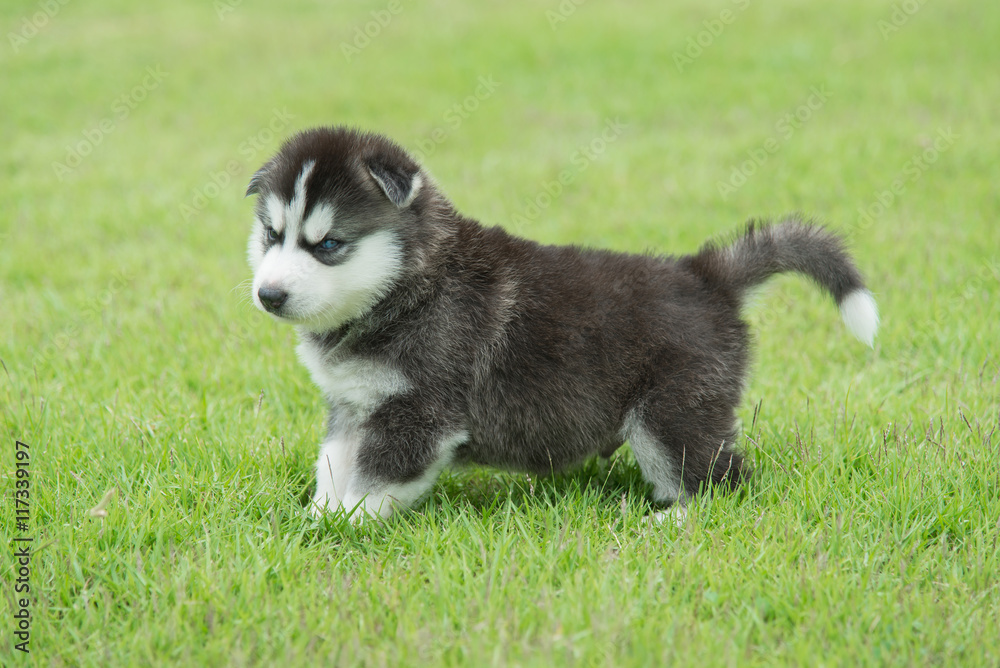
[{"x": 350, "y": 381}]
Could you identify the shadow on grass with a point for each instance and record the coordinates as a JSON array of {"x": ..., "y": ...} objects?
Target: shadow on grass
[
  {"x": 604, "y": 489},
  {"x": 484, "y": 493}
]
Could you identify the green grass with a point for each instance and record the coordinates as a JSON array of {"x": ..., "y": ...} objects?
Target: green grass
[{"x": 133, "y": 362}]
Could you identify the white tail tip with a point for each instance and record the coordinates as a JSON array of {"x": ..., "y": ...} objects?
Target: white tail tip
[{"x": 860, "y": 314}]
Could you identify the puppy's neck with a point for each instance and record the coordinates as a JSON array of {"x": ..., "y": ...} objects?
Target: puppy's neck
[{"x": 326, "y": 340}]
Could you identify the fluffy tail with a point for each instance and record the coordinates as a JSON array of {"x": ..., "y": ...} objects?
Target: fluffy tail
[{"x": 765, "y": 250}]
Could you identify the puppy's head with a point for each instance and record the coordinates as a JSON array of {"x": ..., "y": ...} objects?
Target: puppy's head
[{"x": 337, "y": 214}]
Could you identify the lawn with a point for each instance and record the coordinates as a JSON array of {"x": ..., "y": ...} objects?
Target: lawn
[{"x": 133, "y": 362}]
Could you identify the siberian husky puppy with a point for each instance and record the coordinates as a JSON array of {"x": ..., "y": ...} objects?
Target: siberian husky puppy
[{"x": 438, "y": 341}]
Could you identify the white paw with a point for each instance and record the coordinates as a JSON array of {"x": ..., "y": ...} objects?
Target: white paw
[
  {"x": 676, "y": 514},
  {"x": 321, "y": 506},
  {"x": 357, "y": 512}
]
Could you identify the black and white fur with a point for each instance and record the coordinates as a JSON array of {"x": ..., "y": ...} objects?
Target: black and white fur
[{"x": 438, "y": 341}]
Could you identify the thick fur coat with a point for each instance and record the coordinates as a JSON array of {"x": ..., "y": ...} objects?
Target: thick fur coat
[{"x": 438, "y": 341}]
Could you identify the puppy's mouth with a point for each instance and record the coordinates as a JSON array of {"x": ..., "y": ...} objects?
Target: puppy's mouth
[{"x": 277, "y": 304}]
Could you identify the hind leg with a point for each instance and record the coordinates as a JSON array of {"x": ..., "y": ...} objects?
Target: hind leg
[
  {"x": 680, "y": 450},
  {"x": 660, "y": 467}
]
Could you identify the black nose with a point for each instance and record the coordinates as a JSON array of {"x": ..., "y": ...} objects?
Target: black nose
[{"x": 272, "y": 298}]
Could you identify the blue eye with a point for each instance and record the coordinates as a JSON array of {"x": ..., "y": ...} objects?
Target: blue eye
[
  {"x": 272, "y": 234},
  {"x": 328, "y": 244}
]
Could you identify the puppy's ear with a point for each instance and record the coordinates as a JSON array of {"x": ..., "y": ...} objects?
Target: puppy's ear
[
  {"x": 257, "y": 180},
  {"x": 401, "y": 184}
]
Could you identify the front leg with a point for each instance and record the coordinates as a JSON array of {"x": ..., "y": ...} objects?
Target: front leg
[
  {"x": 334, "y": 469},
  {"x": 389, "y": 462}
]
